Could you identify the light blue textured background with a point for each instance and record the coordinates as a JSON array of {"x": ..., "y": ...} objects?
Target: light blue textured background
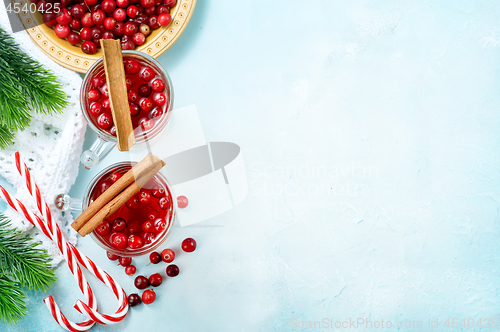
[{"x": 370, "y": 131}]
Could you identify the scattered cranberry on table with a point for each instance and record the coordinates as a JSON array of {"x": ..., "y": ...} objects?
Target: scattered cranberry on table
[
  {"x": 112, "y": 256},
  {"x": 155, "y": 280},
  {"x": 154, "y": 257},
  {"x": 134, "y": 299},
  {"x": 182, "y": 202},
  {"x": 130, "y": 270},
  {"x": 172, "y": 270},
  {"x": 141, "y": 282},
  {"x": 149, "y": 296},
  {"x": 167, "y": 255},
  {"x": 125, "y": 261},
  {"x": 189, "y": 245}
]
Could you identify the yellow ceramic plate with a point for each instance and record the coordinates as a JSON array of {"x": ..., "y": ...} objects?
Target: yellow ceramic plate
[{"x": 72, "y": 57}]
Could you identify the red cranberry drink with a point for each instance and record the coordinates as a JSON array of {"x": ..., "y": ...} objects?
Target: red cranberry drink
[
  {"x": 140, "y": 225},
  {"x": 150, "y": 97}
]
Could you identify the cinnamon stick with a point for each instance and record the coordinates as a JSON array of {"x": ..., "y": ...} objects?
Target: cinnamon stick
[
  {"x": 139, "y": 173},
  {"x": 119, "y": 200},
  {"x": 117, "y": 88}
]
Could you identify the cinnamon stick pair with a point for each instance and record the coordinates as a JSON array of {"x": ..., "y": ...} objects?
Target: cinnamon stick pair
[{"x": 118, "y": 194}]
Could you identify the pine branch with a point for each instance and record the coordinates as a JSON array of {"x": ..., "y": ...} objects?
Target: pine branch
[
  {"x": 12, "y": 304},
  {"x": 6, "y": 137},
  {"x": 20, "y": 258},
  {"x": 40, "y": 85}
]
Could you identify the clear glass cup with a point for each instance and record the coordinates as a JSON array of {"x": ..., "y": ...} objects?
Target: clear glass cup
[
  {"x": 67, "y": 203},
  {"x": 105, "y": 142}
]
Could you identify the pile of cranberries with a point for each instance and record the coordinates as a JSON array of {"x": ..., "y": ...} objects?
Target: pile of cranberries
[
  {"x": 141, "y": 282},
  {"x": 147, "y": 96},
  {"x": 141, "y": 221},
  {"x": 131, "y": 21}
]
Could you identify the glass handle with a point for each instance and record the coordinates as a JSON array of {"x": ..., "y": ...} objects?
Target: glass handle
[
  {"x": 97, "y": 151},
  {"x": 65, "y": 202}
]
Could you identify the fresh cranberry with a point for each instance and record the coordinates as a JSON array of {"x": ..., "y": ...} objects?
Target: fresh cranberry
[
  {"x": 147, "y": 3},
  {"x": 155, "y": 113},
  {"x": 154, "y": 257},
  {"x": 134, "y": 299},
  {"x": 62, "y": 31},
  {"x": 172, "y": 270},
  {"x": 115, "y": 176},
  {"x": 144, "y": 90},
  {"x": 130, "y": 270},
  {"x": 128, "y": 82},
  {"x": 96, "y": 8},
  {"x": 77, "y": 11},
  {"x": 160, "y": 99},
  {"x": 106, "y": 104},
  {"x": 74, "y": 38},
  {"x": 118, "y": 29},
  {"x": 141, "y": 282},
  {"x": 132, "y": 67},
  {"x": 150, "y": 10},
  {"x": 64, "y": 17},
  {"x": 91, "y": 2},
  {"x": 134, "y": 109},
  {"x": 157, "y": 85},
  {"x": 93, "y": 95},
  {"x": 144, "y": 29},
  {"x": 161, "y": 9},
  {"x": 112, "y": 131},
  {"x": 130, "y": 28},
  {"x": 105, "y": 91},
  {"x": 87, "y": 20},
  {"x": 95, "y": 108},
  {"x": 125, "y": 261},
  {"x": 168, "y": 255},
  {"x": 108, "y": 6},
  {"x": 96, "y": 33},
  {"x": 132, "y": 11},
  {"x": 164, "y": 203},
  {"x": 146, "y": 104},
  {"x": 97, "y": 81},
  {"x": 134, "y": 226},
  {"x": 153, "y": 215},
  {"x": 149, "y": 296},
  {"x": 148, "y": 237},
  {"x": 122, "y": 3},
  {"x": 160, "y": 225},
  {"x": 75, "y": 24},
  {"x": 86, "y": 34},
  {"x": 104, "y": 228},
  {"x": 153, "y": 22},
  {"x": 88, "y": 47},
  {"x": 135, "y": 242},
  {"x": 138, "y": 38},
  {"x": 119, "y": 240},
  {"x": 112, "y": 256},
  {"x": 50, "y": 19},
  {"x": 188, "y": 245},
  {"x": 133, "y": 203},
  {"x": 158, "y": 191},
  {"x": 164, "y": 19},
  {"x": 119, "y": 14},
  {"x": 108, "y": 35},
  {"x": 155, "y": 280},
  {"x": 128, "y": 45},
  {"x": 182, "y": 202},
  {"x": 170, "y": 3},
  {"x": 133, "y": 96},
  {"x": 119, "y": 224},
  {"x": 144, "y": 197},
  {"x": 142, "y": 18},
  {"x": 109, "y": 23},
  {"x": 148, "y": 226},
  {"x": 104, "y": 121}
]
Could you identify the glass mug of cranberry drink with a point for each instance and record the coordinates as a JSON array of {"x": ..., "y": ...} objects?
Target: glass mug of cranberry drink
[
  {"x": 150, "y": 97},
  {"x": 140, "y": 225}
]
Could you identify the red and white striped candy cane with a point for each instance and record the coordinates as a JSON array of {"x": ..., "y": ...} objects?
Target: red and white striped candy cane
[
  {"x": 72, "y": 263},
  {"x": 81, "y": 306}
]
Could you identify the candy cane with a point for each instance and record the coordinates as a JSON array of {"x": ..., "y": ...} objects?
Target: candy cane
[
  {"x": 72, "y": 263},
  {"x": 90, "y": 310}
]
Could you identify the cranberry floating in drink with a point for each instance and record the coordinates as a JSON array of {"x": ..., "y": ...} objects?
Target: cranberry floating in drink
[{"x": 150, "y": 97}]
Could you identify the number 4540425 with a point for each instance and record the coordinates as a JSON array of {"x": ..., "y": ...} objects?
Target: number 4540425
[
  {"x": 471, "y": 323},
  {"x": 32, "y": 8}
]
